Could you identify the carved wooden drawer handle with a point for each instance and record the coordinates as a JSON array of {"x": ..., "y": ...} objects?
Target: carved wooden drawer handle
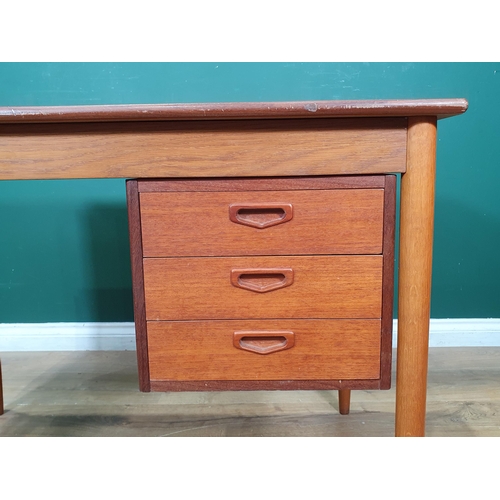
[
  {"x": 263, "y": 342},
  {"x": 262, "y": 280},
  {"x": 260, "y": 215}
]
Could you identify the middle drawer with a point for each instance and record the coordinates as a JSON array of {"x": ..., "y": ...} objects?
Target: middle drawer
[{"x": 263, "y": 287}]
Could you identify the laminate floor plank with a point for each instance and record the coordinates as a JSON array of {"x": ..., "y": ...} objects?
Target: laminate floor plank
[{"x": 96, "y": 394}]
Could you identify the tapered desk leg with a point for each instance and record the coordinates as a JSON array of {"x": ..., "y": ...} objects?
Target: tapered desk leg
[
  {"x": 1, "y": 391},
  {"x": 415, "y": 266}
]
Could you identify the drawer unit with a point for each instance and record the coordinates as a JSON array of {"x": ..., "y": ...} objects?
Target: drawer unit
[{"x": 263, "y": 283}]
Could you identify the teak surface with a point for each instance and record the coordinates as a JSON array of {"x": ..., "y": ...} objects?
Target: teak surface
[
  {"x": 344, "y": 188},
  {"x": 344, "y": 221},
  {"x": 323, "y": 287},
  {"x": 261, "y": 183},
  {"x": 324, "y": 349},
  {"x": 136, "y": 260},
  {"x": 415, "y": 272},
  {"x": 202, "y": 149},
  {"x": 234, "y": 110},
  {"x": 388, "y": 279}
]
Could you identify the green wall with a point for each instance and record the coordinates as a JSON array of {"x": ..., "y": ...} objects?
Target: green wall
[{"x": 64, "y": 244}]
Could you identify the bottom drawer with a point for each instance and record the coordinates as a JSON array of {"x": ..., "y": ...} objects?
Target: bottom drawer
[{"x": 264, "y": 350}]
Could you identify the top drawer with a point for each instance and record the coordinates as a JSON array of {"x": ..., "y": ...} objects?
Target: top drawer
[{"x": 253, "y": 222}]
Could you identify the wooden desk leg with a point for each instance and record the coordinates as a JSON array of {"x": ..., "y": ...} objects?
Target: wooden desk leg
[
  {"x": 344, "y": 401},
  {"x": 415, "y": 266},
  {"x": 1, "y": 390}
]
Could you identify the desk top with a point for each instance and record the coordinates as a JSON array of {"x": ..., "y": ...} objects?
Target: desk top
[
  {"x": 211, "y": 140},
  {"x": 441, "y": 108}
]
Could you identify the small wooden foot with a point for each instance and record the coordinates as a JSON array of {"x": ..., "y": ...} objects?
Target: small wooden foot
[{"x": 344, "y": 401}]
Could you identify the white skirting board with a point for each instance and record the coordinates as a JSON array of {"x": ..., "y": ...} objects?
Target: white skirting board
[
  {"x": 121, "y": 336},
  {"x": 67, "y": 337}
]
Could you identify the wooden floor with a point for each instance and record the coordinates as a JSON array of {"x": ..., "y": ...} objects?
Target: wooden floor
[{"x": 96, "y": 394}]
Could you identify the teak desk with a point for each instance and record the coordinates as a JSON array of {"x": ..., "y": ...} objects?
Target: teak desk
[{"x": 332, "y": 159}]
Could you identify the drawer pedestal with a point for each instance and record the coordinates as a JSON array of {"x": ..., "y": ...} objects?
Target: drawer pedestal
[{"x": 263, "y": 284}]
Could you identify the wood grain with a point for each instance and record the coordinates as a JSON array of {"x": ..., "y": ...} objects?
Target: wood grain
[
  {"x": 388, "y": 280},
  {"x": 340, "y": 349},
  {"x": 134, "y": 224},
  {"x": 344, "y": 401},
  {"x": 415, "y": 269},
  {"x": 210, "y": 111},
  {"x": 238, "y": 148},
  {"x": 343, "y": 221},
  {"x": 263, "y": 342},
  {"x": 264, "y": 385},
  {"x": 262, "y": 183},
  {"x": 323, "y": 287}
]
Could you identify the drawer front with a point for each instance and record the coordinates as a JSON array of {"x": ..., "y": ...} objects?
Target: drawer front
[
  {"x": 338, "y": 221},
  {"x": 263, "y": 287},
  {"x": 207, "y": 350}
]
